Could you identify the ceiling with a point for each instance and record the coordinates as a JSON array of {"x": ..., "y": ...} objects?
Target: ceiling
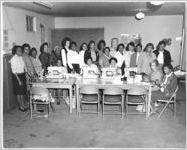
[{"x": 85, "y": 9}]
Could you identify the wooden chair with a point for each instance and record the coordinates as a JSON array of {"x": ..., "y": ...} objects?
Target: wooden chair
[
  {"x": 136, "y": 96},
  {"x": 39, "y": 107},
  {"x": 113, "y": 96},
  {"x": 171, "y": 100},
  {"x": 89, "y": 95}
]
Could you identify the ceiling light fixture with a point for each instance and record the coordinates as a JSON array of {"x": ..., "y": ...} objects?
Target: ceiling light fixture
[
  {"x": 44, "y": 4},
  {"x": 140, "y": 15},
  {"x": 157, "y": 3}
]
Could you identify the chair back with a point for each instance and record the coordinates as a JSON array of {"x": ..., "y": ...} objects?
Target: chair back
[
  {"x": 136, "y": 91},
  {"x": 39, "y": 91},
  {"x": 113, "y": 91},
  {"x": 89, "y": 90}
]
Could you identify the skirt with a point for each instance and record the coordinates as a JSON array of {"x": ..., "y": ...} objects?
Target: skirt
[{"x": 20, "y": 90}]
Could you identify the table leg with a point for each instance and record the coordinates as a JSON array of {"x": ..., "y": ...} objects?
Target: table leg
[
  {"x": 149, "y": 102},
  {"x": 70, "y": 99},
  {"x": 77, "y": 96}
]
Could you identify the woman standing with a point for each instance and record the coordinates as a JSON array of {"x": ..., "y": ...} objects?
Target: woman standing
[
  {"x": 44, "y": 56},
  {"x": 19, "y": 79},
  {"x": 91, "y": 52},
  {"x": 120, "y": 57},
  {"x": 114, "y": 45},
  {"x": 145, "y": 59},
  {"x": 104, "y": 59},
  {"x": 55, "y": 55},
  {"x": 130, "y": 49},
  {"x": 64, "y": 52},
  {"x": 35, "y": 61},
  {"x": 27, "y": 60},
  {"x": 83, "y": 49},
  {"x": 135, "y": 56},
  {"x": 100, "y": 46}
]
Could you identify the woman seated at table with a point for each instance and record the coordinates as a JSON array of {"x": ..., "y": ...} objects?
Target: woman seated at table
[
  {"x": 156, "y": 75},
  {"x": 90, "y": 66},
  {"x": 113, "y": 64},
  {"x": 104, "y": 58},
  {"x": 166, "y": 88}
]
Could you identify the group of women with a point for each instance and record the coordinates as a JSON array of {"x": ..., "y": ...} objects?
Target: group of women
[{"x": 25, "y": 64}]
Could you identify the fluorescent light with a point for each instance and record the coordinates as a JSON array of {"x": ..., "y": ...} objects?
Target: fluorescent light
[
  {"x": 44, "y": 4},
  {"x": 157, "y": 2},
  {"x": 140, "y": 15}
]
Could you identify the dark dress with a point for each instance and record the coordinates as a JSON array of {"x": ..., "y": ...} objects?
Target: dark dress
[
  {"x": 20, "y": 90},
  {"x": 45, "y": 61},
  {"x": 167, "y": 56},
  {"x": 54, "y": 57},
  {"x": 87, "y": 55}
]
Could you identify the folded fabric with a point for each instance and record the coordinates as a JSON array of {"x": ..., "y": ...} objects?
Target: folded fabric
[{"x": 44, "y": 98}]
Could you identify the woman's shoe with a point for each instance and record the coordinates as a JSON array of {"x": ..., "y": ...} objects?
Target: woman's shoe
[{"x": 21, "y": 109}]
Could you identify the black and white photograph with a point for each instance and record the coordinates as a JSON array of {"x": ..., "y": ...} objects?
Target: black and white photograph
[{"x": 93, "y": 74}]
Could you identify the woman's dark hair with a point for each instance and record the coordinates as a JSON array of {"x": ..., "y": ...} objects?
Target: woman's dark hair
[
  {"x": 89, "y": 44},
  {"x": 63, "y": 43},
  {"x": 169, "y": 66},
  {"x": 113, "y": 58},
  {"x": 160, "y": 43},
  {"x": 42, "y": 47},
  {"x": 138, "y": 45},
  {"x": 26, "y": 45},
  {"x": 73, "y": 43},
  {"x": 147, "y": 45},
  {"x": 81, "y": 47},
  {"x": 106, "y": 48},
  {"x": 155, "y": 61},
  {"x": 32, "y": 49},
  {"x": 99, "y": 44},
  {"x": 89, "y": 58},
  {"x": 121, "y": 44},
  {"x": 14, "y": 49},
  {"x": 129, "y": 44}
]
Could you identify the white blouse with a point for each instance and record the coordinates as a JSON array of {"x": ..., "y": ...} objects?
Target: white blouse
[
  {"x": 64, "y": 61},
  {"x": 120, "y": 58},
  {"x": 17, "y": 64}
]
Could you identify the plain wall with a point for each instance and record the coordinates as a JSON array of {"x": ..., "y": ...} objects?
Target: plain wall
[
  {"x": 14, "y": 20},
  {"x": 151, "y": 28}
]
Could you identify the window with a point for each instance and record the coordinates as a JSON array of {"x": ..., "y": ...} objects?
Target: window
[
  {"x": 30, "y": 24},
  {"x": 5, "y": 40}
]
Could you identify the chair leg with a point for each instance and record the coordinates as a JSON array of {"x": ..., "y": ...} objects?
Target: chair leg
[
  {"x": 175, "y": 107},
  {"x": 162, "y": 110},
  {"x": 31, "y": 108},
  {"x": 98, "y": 105},
  {"x": 48, "y": 109},
  {"x": 126, "y": 106},
  {"x": 122, "y": 107},
  {"x": 103, "y": 106}
]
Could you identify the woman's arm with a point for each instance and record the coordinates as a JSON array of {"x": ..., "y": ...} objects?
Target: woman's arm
[
  {"x": 70, "y": 57},
  {"x": 42, "y": 60},
  {"x": 63, "y": 58}
]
